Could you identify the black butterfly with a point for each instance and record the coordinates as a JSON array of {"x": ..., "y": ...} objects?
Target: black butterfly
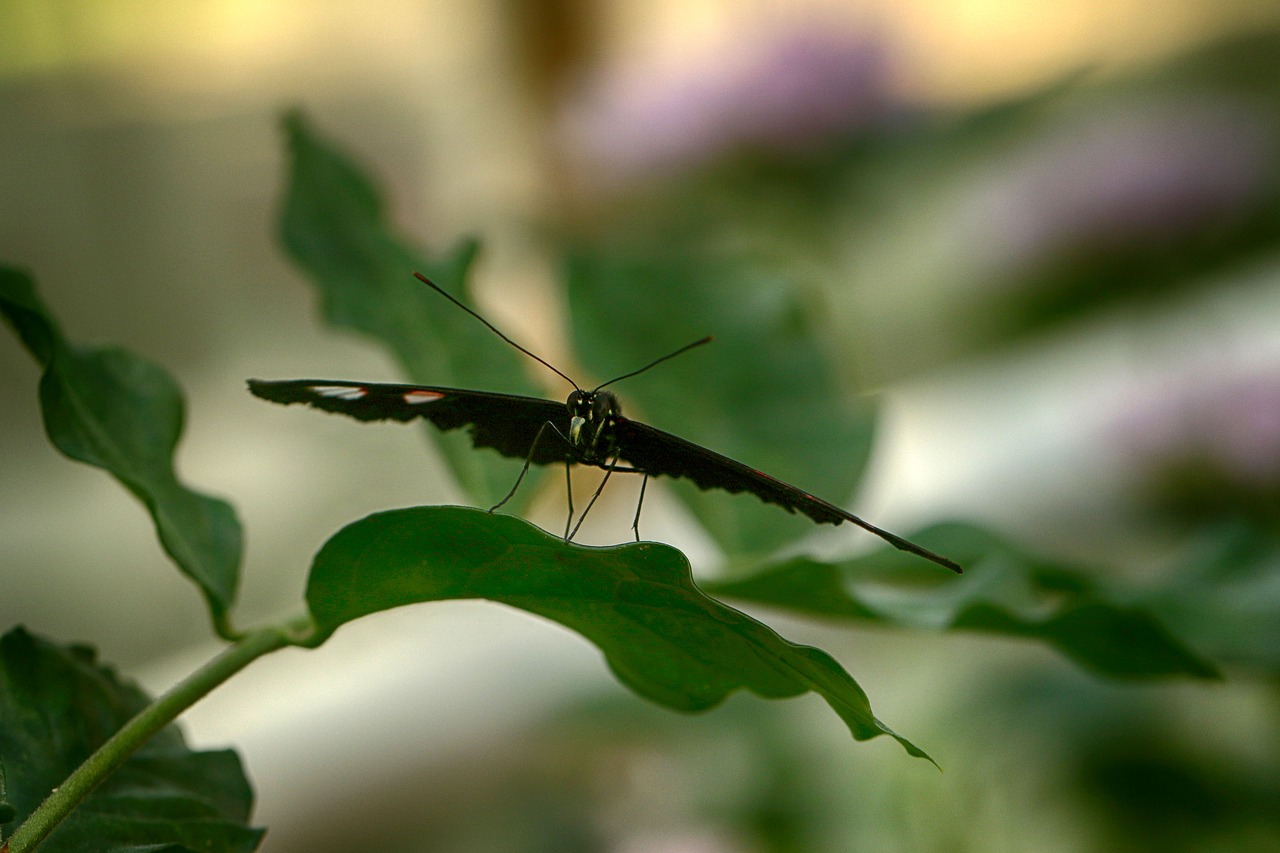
[{"x": 587, "y": 429}]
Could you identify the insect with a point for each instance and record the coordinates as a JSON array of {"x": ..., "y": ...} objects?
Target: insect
[{"x": 587, "y": 429}]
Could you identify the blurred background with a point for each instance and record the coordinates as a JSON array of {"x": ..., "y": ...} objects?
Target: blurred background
[{"x": 1047, "y": 236}]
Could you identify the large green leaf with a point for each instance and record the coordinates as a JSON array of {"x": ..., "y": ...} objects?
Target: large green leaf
[
  {"x": 110, "y": 408},
  {"x": 661, "y": 635},
  {"x": 1004, "y": 590},
  {"x": 764, "y": 393},
  {"x": 57, "y": 706},
  {"x": 335, "y": 227}
]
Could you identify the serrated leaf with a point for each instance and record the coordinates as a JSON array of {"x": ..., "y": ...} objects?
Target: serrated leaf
[
  {"x": 57, "y": 705},
  {"x": 1004, "y": 590},
  {"x": 334, "y": 226},
  {"x": 765, "y": 393},
  {"x": 114, "y": 410},
  {"x": 637, "y": 603}
]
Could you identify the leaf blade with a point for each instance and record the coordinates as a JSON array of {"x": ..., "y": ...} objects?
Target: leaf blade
[
  {"x": 1005, "y": 591},
  {"x": 57, "y": 705},
  {"x": 661, "y": 636},
  {"x": 765, "y": 393},
  {"x": 335, "y": 228},
  {"x": 109, "y": 408}
]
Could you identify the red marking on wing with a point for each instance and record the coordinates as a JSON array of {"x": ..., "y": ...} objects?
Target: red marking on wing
[{"x": 414, "y": 398}]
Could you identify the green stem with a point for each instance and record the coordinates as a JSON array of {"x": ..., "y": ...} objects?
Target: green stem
[{"x": 148, "y": 721}]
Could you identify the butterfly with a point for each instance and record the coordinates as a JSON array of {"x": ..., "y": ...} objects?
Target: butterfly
[{"x": 587, "y": 429}]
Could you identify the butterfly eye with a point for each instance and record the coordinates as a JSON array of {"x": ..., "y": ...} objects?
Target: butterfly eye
[{"x": 600, "y": 407}]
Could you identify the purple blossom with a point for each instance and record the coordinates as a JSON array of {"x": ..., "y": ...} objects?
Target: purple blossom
[
  {"x": 1230, "y": 424},
  {"x": 1140, "y": 175},
  {"x": 797, "y": 93}
]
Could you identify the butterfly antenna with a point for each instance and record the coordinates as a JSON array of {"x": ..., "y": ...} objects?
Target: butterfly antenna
[
  {"x": 438, "y": 289},
  {"x": 658, "y": 361}
]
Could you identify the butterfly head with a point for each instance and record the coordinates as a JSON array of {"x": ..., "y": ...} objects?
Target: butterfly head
[{"x": 590, "y": 412}]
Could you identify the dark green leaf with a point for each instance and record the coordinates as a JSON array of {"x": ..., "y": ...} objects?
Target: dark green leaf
[
  {"x": 765, "y": 393},
  {"x": 57, "y": 705},
  {"x": 335, "y": 228},
  {"x": 637, "y": 603},
  {"x": 7, "y": 811},
  {"x": 1004, "y": 590},
  {"x": 1224, "y": 595},
  {"x": 110, "y": 408}
]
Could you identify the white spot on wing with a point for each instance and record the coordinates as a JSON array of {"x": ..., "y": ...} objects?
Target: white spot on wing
[
  {"x": 415, "y": 398},
  {"x": 342, "y": 392}
]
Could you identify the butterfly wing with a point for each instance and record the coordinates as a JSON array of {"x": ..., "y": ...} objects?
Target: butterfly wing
[
  {"x": 659, "y": 453},
  {"x": 506, "y": 422}
]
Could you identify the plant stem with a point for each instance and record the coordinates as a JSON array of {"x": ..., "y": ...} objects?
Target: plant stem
[{"x": 146, "y": 723}]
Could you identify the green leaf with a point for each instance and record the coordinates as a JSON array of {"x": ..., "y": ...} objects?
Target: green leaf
[
  {"x": 334, "y": 226},
  {"x": 1004, "y": 591},
  {"x": 57, "y": 706},
  {"x": 765, "y": 393},
  {"x": 1224, "y": 595},
  {"x": 110, "y": 408},
  {"x": 7, "y": 811},
  {"x": 637, "y": 603}
]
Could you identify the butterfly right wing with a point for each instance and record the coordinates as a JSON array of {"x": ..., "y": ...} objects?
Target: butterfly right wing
[
  {"x": 658, "y": 453},
  {"x": 506, "y": 422}
]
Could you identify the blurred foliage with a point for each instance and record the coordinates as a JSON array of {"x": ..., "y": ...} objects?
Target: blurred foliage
[
  {"x": 107, "y": 407},
  {"x": 1088, "y": 196},
  {"x": 336, "y": 229},
  {"x": 1224, "y": 596},
  {"x": 645, "y": 282},
  {"x": 1095, "y": 768},
  {"x": 753, "y": 408},
  {"x": 999, "y": 229},
  {"x": 1005, "y": 591},
  {"x": 766, "y": 387},
  {"x": 995, "y": 230}
]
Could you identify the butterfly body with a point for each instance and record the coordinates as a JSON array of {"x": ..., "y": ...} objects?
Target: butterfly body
[{"x": 593, "y": 419}]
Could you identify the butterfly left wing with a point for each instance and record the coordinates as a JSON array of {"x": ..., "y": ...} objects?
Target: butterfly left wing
[
  {"x": 506, "y": 422},
  {"x": 659, "y": 453}
]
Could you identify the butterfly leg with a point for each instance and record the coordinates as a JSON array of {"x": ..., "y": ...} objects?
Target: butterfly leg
[
  {"x": 635, "y": 525},
  {"x": 528, "y": 460},
  {"x": 600, "y": 488},
  {"x": 568, "y": 490}
]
